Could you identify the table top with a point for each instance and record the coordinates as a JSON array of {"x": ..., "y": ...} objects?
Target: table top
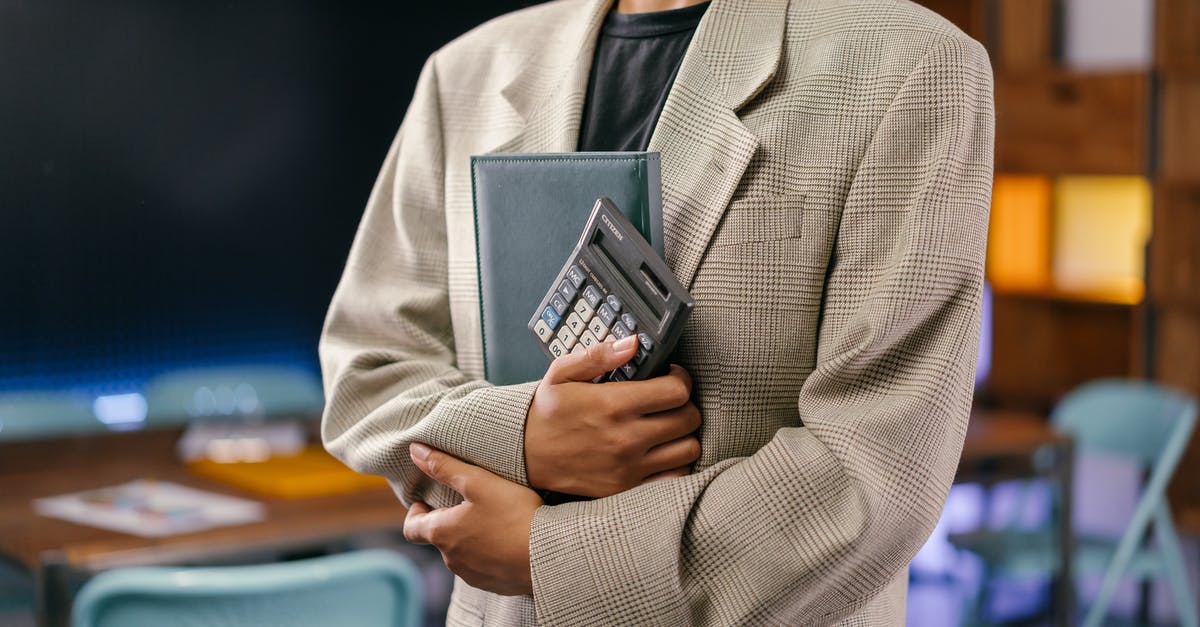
[
  {"x": 34, "y": 469},
  {"x": 1000, "y": 443}
]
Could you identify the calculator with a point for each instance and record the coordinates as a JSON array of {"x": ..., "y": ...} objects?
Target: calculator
[{"x": 613, "y": 286}]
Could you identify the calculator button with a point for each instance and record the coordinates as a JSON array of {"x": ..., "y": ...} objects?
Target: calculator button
[
  {"x": 579, "y": 347},
  {"x": 587, "y": 339},
  {"x": 592, "y": 296},
  {"x": 614, "y": 303},
  {"x": 607, "y": 315},
  {"x": 567, "y": 290},
  {"x": 575, "y": 323},
  {"x": 617, "y": 375},
  {"x": 543, "y": 330},
  {"x": 575, "y": 275},
  {"x": 584, "y": 310},
  {"x": 559, "y": 303},
  {"x": 629, "y": 370},
  {"x": 629, "y": 322},
  {"x": 640, "y": 356},
  {"x": 557, "y": 349},
  {"x": 646, "y": 341},
  {"x": 598, "y": 328},
  {"x": 567, "y": 337},
  {"x": 551, "y": 317},
  {"x": 619, "y": 331}
]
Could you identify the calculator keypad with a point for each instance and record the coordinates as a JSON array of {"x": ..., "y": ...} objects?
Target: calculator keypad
[{"x": 580, "y": 316}]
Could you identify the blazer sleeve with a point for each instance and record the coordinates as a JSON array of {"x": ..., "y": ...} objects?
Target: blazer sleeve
[
  {"x": 387, "y": 349},
  {"x": 825, "y": 515}
]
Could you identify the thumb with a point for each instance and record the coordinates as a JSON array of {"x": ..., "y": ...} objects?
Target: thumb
[
  {"x": 597, "y": 360},
  {"x": 447, "y": 470}
]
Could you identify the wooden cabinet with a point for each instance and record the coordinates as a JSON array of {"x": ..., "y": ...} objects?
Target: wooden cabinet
[{"x": 1065, "y": 123}]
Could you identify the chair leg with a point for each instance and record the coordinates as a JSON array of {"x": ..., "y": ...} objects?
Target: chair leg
[
  {"x": 1177, "y": 576},
  {"x": 1112, "y": 576}
]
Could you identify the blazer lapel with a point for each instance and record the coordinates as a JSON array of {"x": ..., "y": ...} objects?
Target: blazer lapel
[
  {"x": 705, "y": 147},
  {"x": 550, "y": 90}
]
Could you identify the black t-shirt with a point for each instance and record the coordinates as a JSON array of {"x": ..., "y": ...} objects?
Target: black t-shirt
[{"x": 637, "y": 56}]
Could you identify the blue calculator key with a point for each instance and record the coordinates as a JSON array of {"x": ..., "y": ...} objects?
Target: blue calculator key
[
  {"x": 575, "y": 275},
  {"x": 619, "y": 331},
  {"x": 606, "y": 315},
  {"x": 629, "y": 369},
  {"x": 551, "y": 317},
  {"x": 629, "y": 322},
  {"x": 646, "y": 341},
  {"x": 567, "y": 290},
  {"x": 640, "y": 356},
  {"x": 614, "y": 302},
  {"x": 592, "y": 296},
  {"x": 558, "y": 303}
]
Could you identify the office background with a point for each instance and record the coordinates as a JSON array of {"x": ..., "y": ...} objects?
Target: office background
[{"x": 180, "y": 183}]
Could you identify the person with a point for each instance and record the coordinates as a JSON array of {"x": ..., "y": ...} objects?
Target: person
[{"x": 826, "y": 175}]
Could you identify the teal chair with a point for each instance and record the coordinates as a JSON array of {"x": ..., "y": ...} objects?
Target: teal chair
[
  {"x": 1135, "y": 420},
  {"x": 232, "y": 392},
  {"x": 29, "y": 415},
  {"x": 371, "y": 588}
]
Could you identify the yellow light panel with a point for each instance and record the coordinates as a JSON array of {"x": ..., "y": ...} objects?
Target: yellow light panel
[
  {"x": 1018, "y": 256},
  {"x": 1101, "y": 224}
]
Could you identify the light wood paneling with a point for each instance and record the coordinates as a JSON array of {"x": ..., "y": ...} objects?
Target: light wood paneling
[
  {"x": 1179, "y": 132},
  {"x": 1177, "y": 35}
]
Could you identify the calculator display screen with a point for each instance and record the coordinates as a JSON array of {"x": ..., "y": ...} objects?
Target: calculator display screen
[{"x": 648, "y": 287}]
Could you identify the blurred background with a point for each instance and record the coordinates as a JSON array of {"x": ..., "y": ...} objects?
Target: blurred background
[{"x": 180, "y": 184}]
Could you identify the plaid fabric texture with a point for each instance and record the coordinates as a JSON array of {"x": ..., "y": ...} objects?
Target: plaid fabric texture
[{"x": 827, "y": 171}]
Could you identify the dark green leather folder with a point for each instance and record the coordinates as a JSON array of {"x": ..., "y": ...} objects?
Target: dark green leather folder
[{"x": 530, "y": 210}]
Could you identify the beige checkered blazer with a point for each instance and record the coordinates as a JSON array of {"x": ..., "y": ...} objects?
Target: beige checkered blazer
[{"x": 827, "y": 168}]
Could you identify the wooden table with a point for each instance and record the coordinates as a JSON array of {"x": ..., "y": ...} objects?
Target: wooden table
[
  {"x": 61, "y": 554},
  {"x": 1003, "y": 445}
]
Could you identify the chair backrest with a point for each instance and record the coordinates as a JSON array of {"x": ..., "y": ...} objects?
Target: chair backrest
[
  {"x": 363, "y": 588},
  {"x": 232, "y": 391},
  {"x": 26, "y": 415},
  {"x": 1133, "y": 419}
]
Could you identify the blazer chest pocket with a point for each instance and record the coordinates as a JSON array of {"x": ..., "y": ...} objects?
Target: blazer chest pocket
[{"x": 760, "y": 219}]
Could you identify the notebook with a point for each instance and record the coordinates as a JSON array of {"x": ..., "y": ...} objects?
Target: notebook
[{"x": 529, "y": 212}]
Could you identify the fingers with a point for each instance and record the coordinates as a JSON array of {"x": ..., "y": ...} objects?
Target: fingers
[
  {"x": 666, "y": 426},
  {"x": 682, "y": 471},
  {"x": 464, "y": 478},
  {"x": 418, "y": 524},
  {"x": 597, "y": 360},
  {"x": 659, "y": 394},
  {"x": 675, "y": 454}
]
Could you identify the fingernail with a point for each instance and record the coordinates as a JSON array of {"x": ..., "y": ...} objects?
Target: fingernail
[
  {"x": 625, "y": 343},
  {"x": 419, "y": 451}
]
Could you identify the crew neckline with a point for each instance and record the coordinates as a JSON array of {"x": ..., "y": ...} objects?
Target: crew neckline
[{"x": 654, "y": 23}]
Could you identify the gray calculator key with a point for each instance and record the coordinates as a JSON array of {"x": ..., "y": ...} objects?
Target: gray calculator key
[
  {"x": 606, "y": 315},
  {"x": 559, "y": 303},
  {"x": 614, "y": 302},
  {"x": 640, "y": 356},
  {"x": 551, "y": 317},
  {"x": 592, "y": 296},
  {"x": 567, "y": 290},
  {"x": 646, "y": 341},
  {"x": 619, "y": 331},
  {"x": 629, "y": 322},
  {"x": 629, "y": 369},
  {"x": 575, "y": 275},
  {"x": 617, "y": 375}
]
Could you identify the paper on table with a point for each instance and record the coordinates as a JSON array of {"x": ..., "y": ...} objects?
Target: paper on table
[{"x": 151, "y": 508}]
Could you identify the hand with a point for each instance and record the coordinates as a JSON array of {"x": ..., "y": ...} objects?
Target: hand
[
  {"x": 484, "y": 539},
  {"x": 597, "y": 440}
]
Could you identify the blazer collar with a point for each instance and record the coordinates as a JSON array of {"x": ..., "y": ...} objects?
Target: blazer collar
[{"x": 705, "y": 147}]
